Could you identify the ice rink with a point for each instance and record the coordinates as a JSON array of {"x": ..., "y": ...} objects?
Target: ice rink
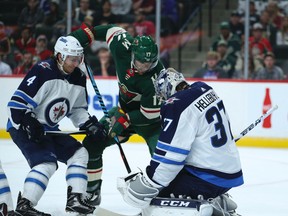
[{"x": 265, "y": 192}]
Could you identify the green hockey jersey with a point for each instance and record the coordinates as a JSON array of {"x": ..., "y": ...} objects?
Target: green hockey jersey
[{"x": 136, "y": 92}]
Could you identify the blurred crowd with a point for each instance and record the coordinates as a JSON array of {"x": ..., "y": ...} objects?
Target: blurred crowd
[
  {"x": 268, "y": 44},
  {"x": 39, "y": 23}
]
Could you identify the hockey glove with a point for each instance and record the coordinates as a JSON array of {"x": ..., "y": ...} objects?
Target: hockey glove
[
  {"x": 119, "y": 122},
  {"x": 94, "y": 129},
  {"x": 33, "y": 128},
  {"x": 138, "y": 189}
]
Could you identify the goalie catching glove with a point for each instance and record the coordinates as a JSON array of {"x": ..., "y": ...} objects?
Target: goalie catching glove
[
  {"x": 94, "y": 129},
  {"x": 137, "y": 189},
  {"x": 119, "y": 122}
]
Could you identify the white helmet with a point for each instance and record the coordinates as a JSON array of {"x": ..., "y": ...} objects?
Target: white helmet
[
  {"x": 167, "y": 81},
  {"x": 68, "y": 46}
]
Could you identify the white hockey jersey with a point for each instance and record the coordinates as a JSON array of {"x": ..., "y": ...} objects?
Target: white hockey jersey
[
  {"x": 51, "y": 95},
  {"x": 196, "y": 136}
]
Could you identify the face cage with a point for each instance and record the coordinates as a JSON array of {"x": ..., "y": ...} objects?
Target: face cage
[{"x": 153, "y": 65}]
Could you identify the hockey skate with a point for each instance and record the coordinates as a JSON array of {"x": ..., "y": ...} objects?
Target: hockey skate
[
  {"x": 25, "y": 208},
  {"x": 223, "y": 205},
  {"x": 3, "y": 209},
  {"x": 94, "y": 197},
  {"x": 76, "y": 204}
]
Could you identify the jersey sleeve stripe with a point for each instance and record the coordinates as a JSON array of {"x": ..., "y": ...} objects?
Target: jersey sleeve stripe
[
  {"x": 26, "y": 98},
  {"x": 172, "y": 149},
  {"x": 16, "y": 105},
  {"x": 167, "y": 161}
]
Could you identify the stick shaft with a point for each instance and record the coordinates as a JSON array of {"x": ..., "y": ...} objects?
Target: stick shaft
[
  {"x": 60, "y": 133},
  {"x": 104, "y": 109},
  {"x": 256, "y": 122}
]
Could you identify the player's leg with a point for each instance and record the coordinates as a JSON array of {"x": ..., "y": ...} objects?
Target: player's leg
[
  {"x": 43, "y": 164},
  {"x": 71, "y": 152},
  {"x": 6, "y": 203},
  {"x": 95, "y": 162},
  {"x": 150, "y": 133}
]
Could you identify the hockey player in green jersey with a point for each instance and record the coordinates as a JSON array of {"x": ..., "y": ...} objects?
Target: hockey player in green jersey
[{"x": 138, "y": 112}]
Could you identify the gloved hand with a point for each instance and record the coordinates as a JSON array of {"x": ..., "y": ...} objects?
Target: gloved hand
[
  {"x": 33, "y": 128},
  {"x": 94, "y": 129},
  {"x": 119, "y": 122},
  {"x": 138, "y": 189}
]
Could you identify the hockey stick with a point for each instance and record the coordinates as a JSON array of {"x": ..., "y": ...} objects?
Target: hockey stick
[
  {"x": 255, "y": 123},
  {"x": 60, "y": 133},
  {"x": 104, "y": 109}
]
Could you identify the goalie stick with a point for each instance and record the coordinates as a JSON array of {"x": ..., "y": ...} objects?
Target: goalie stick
[
  {"x": 256, "y": 122},
  {"x": 105, "y": 212}
]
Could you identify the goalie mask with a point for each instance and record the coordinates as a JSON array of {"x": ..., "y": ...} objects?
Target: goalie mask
[
  {"x": 168, "y": 82},
  {"x": 144, "y": 54}
]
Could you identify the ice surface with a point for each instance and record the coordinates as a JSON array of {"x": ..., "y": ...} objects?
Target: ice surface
[{"x": 264, "y": 193}]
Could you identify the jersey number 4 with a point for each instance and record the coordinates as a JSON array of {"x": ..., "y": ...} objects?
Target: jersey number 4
[{"x": 219, "y": 126}]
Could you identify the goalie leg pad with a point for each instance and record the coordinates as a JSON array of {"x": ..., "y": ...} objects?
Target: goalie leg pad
[
  {"x": 223, "y": 205},
  {"x": 137, "y": 189},
  {"x": 177, "y": 207}
]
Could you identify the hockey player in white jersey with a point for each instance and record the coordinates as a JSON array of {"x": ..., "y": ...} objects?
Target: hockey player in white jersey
[
  {"x": 51, "y": 90},
  {"x": 6, "y": 204},
  {"x": 195, "y": 157}
]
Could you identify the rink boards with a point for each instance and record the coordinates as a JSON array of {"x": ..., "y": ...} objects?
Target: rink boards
[{"x": 244, "y": 102}]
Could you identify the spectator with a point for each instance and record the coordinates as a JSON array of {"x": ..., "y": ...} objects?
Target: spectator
[
  {"x": 131, "y": 30},
  {"x": 236, "y": 26},
  {"x": 275, "y": 14},
  {"x": 269, "y": 30},
  {"x": 120, "y": 8},
  {"x": 253, "y": 12},
  {"x": 258, "y": 44},
  {"x": 143, "y": 26},
  {"x": 227, "y": 60},
  {"x": 25, "y": 63},
  {"x": 270, "y": 71},
  {"x": 31, "y": 15},
  {"x": 26, "y": 39},
  {"x": 282, "y": 34},
  {"x": 41, "y": 51},
  {"x": 169, "y": 11},
  {"x": 239, "y": 66},
  {"x": 54, "y": 15},
  {"x": 211, "y": 70},
  {"x": 145, "y": 6},
  {"x": 63, "y": 6},
  {"x": 4, "y": 40},
  {"x": 89, "y": 20},
  {"x": 83, "y": 10},
  {"x": 106, "y": 17},
  {"x": 106, "y": 64},
  {"x": 233, "y": 41},
  {"x": 5, "y": 68},
  {"x": 60, "y": 27}
]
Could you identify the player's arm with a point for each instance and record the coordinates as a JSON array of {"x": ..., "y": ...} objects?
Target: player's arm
[
  {"x": 86, "y": 34},
  {"x": 23, "y": 100}
]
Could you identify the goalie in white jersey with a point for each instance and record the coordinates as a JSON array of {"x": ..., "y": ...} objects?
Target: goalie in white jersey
[
  {"x": 51, "y": 90},
  {"x": 196, "y": 155}
]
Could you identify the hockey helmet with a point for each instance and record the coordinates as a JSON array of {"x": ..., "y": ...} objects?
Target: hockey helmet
[
  {"x": 68, "y": 46},
  {"x": 144, "y": 50},
  {"x": 168, "y": 83}
]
